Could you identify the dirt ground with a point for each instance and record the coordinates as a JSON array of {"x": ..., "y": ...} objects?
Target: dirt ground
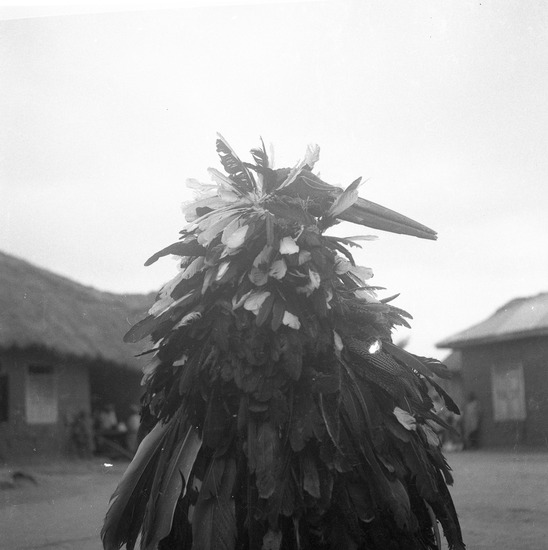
[
  {"x": 502, "y": 499},
  {"x": 63, "y": 510},
  {"x": 501, "y": 496}
]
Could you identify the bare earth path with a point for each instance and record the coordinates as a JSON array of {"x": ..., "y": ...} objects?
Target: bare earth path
[
  {"x": 64, "y": 511},
  {"x": 501, "y": 496},
  {"x": 502, "y": 499}
]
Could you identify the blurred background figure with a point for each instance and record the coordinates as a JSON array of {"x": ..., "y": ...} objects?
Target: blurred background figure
[
  {"x": 81, "y": 434},
  {"x": 133, "y": 422},
  {"x": 472, "y": 418},
  {"x": 451, "y": 440},
  {"x": 106, "y": 428},
  {"x": 107, "y": 419}
]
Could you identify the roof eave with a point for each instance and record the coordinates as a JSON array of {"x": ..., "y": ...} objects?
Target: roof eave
[
  {"x": 491, "y": 339},
  {"x": 133, "y": 366}
]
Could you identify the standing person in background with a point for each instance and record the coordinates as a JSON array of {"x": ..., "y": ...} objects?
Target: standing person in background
[
  {"x": 133, "y": 422},
  {"x": 106, "y": 422},
  {"x": 472, "y": 417},
  {"x": 81, "y": 433},
  {"x": 107, "y": 419}
]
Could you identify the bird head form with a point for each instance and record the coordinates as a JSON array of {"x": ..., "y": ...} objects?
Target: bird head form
[
  {"x": 295, "y": 194},
  {"x": 256, "y": 236}
]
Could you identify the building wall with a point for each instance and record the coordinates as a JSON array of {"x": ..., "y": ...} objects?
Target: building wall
[
  {"x": 21, "y": 437},
  {"x": 477, "y": 368},
  {"x": 116, "y": 385}
]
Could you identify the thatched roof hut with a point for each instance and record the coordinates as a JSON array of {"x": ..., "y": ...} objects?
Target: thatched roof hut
[
  {"x": 61, "y": 355},
  {"x": 41, "y": 309}
]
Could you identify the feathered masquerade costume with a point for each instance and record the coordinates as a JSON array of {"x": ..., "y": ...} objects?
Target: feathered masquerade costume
[{"x": 279, "y": 414}]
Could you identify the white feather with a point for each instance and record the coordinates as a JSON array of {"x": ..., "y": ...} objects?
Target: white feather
[
  {"x": 278, "y": 269},
  {"x": 236, "y": 239},
  {"x": 288, "y": 246},
  {"x": 311, "y": 156},
  {"x": 342, "y": 266},
  {"x": 290, "y": 320},
  {"x": 363, "y": 273},
  {"x": 255, "y": 301},
  {"x": 187, "y": 319},
  {"x": 405, "y": 419},
  {"x": 194, "y": 267},
  {"x": 223, "y": 268},
  {"x": 215, "y": 226}
]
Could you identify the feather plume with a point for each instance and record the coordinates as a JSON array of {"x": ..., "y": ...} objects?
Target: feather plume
[
  {"x": 190, "y": 248},
  {"x": 346, "y": 199},
  {"x": 214, "y": 519},
  {"x": 242, "y": 177},
  {"x": 126, "y": 509},
  {"x": 173, "y": 485}
]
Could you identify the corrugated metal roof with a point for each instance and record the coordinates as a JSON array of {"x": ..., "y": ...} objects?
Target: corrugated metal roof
[{"x": 519, "y": 318}]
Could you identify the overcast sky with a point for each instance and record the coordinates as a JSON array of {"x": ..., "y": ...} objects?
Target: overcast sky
[{"x": 442, "y": 105}]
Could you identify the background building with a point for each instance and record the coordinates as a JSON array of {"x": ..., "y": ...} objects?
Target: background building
[
  {"x": 61, "y": 353},
  {"x": 504, "y": 361}
]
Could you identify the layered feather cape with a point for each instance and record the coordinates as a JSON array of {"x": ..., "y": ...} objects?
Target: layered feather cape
[{"x": 278, "y": 414}]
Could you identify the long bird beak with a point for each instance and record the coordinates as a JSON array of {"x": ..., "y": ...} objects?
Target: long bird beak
[
  {"x": 374, "y": 215},
  {"x": 308, "y": 186}
]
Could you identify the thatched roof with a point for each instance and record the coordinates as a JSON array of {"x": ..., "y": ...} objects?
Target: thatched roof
[
  {"x": 41, "y": 309},
  {"x": 519, "y": 318}
]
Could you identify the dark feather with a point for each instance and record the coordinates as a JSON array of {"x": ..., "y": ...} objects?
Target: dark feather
[
  {"x": 260, "y": 156},
  {"x": 437, "y": 367},
  {"x": 152, "y": 323},
  {"x": 272, "y": 540},
  {"x": 311, "y": 477},
  {"x": 449, "y": 403},
  {"x": 174, "y": 483},
  {"x": 188, "y": 248},
  {"x": 120, "y": 521},
  {"x": 408, "y": 359},
  {"x": 264, "y": 451},
  {"x": 214, "y": 517},
  {"x": 242, "y": 177}
]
